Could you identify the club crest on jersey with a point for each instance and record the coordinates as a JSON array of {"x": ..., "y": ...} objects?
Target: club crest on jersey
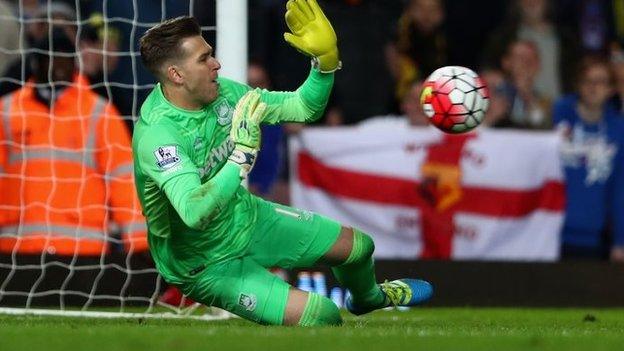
[
  {"x": 224, "y": 112},
  {"x": 167, "y": 156},
  {"x": 247, "y": 301}
]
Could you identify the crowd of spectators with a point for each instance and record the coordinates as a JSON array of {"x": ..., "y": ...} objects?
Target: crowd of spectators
[{"x": 549, "y": 64}]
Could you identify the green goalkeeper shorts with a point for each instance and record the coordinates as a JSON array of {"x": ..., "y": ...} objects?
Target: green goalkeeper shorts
[{"x": 282, "y": 237}]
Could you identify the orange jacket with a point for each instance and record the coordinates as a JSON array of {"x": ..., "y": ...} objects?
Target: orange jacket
[{"x": 65, "y": 172}]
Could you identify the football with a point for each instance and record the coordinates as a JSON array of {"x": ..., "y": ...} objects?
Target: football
[{"x": 455, "y": 99}]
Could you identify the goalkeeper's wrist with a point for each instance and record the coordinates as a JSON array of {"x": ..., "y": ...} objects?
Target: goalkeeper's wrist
[
  {"x": 244, "y": 157},
  {"x": 327, "y": 63}
]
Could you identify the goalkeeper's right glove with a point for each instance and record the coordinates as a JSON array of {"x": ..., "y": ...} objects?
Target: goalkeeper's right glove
[{"x": 245, "y": 132}]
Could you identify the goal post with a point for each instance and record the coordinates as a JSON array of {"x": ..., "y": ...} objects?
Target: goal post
[
  {"x": 117, "y": 284},
  {"x": 232, "y": 39}
]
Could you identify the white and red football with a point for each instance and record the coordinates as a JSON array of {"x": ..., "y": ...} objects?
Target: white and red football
[{"x": 455, "y": 99}]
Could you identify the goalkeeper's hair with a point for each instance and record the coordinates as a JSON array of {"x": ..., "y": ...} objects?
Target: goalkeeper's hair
[{"x": 162, "y": 42}]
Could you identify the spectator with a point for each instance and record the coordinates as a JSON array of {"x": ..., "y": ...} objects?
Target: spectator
[
  {"x": 593, "y": 160},
  {"x": 65, "y": 158},
  {"x": 593, "y": 22},
  {"x": 594, "y": 26},
  {"x": 497, "y": 115},
  {"x": 420, "y": 45},
  {"x": 334, "y": 115},
  {"x": 58, "y": 11},
  {"x": 412, "y": 114},
  {"x": 132, "y": 78},
  {"x": 265, "y": 172},
  {"x": 530, "y": 20},
  {"x": 529, "y": 109},
  {"x": 36, "y": 29},
  {"x": 99, "y": 48}
]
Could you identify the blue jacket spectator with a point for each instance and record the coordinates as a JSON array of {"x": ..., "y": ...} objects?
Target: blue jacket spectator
[{"x": 594, "y": 166}]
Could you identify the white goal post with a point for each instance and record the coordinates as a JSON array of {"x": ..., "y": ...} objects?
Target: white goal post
[
  {"x": 232, "y": 39},
  {"x": 120, "y": 285}
]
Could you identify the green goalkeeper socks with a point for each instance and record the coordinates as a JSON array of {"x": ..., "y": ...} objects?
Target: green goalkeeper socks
[
  {"x": 357, "y": 273},
  {"x": 320, "y": 311}
]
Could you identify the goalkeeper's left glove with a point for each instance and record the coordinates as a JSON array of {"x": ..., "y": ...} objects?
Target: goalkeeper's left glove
[
  {"x": 312, "y": 34},
  {"x": 245, "y": 132}
]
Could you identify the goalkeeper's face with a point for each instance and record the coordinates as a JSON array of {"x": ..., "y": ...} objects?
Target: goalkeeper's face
[{"x": 198, "y": 70}]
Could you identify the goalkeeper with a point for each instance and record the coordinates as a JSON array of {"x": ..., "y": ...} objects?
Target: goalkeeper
[{"x": 207, "y": 234}]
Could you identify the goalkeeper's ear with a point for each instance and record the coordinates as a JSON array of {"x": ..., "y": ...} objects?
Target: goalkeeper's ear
[{"x": 174, "y": 75}]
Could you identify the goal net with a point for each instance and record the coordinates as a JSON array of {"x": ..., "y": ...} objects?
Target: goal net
[{"x": 120, "y": 281}]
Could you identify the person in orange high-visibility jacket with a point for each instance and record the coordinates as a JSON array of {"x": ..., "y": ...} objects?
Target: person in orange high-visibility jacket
[{"x": 66, "y": 172}]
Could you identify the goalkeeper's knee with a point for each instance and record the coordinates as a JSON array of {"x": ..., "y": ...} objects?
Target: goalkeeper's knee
[
  {"x": 362, "y": 249},
  {"x": 319, "y": 311}
]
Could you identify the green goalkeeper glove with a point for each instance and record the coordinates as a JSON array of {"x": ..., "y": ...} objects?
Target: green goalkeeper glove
[
  {"x": 245, "y": 132},
  {"x": 312, "y": 34}
]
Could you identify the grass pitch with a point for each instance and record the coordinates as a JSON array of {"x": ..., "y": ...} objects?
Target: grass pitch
[{"x": 417, "y": 329}]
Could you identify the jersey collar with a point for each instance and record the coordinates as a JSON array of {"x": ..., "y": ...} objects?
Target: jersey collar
[{"x": 184, "y": 112}]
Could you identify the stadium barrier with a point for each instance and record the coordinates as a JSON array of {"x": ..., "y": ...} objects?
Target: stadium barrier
[
  {"x": 457, "y": 283},
  {"x": 510, "y": 284}
]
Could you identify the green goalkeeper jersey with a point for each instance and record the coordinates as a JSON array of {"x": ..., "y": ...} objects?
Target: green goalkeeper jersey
[{"x": 180, "y": 164}]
